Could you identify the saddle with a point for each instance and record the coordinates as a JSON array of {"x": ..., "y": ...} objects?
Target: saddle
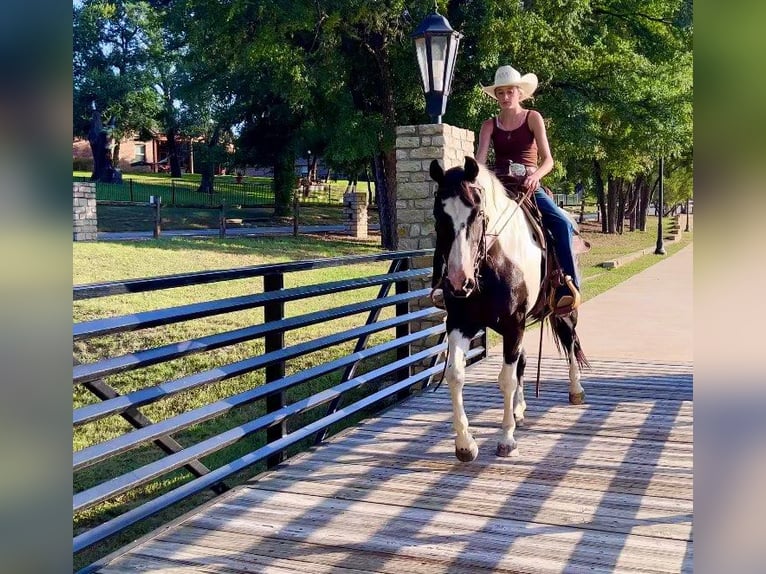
[{"x": 552, "y": 275}]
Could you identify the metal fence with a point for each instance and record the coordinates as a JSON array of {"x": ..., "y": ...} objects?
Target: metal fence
[
  {"x": 180, "y": 193},
  {"x": 392, "y": 378}
]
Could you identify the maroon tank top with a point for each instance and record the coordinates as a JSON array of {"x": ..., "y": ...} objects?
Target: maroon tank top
[{"x": 517, "y": 146}]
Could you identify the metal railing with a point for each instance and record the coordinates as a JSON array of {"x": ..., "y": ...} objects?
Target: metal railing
[
  {"x": 181, "y": 193},
  {"x": 395, "y": 371}
]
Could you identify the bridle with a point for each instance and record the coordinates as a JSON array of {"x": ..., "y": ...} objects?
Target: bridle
[{"x": 484, "y": 245}]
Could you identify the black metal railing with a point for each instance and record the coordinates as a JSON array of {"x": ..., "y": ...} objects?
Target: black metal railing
[
  {"x": 392, "y": 369},
  {"x": 183, "y": 193}
]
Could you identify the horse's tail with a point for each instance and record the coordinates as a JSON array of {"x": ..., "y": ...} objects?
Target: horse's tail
[{"x": 565, "y": 337}]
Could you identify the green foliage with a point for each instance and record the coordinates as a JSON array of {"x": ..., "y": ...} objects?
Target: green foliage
[{"x": 276, "y": 79}]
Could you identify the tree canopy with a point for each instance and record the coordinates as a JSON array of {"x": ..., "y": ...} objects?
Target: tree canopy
[{"x": 337, "y": 76}]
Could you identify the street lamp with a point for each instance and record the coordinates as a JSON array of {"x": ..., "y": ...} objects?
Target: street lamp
[
  {"x": 660, "y": 249},
  {"x": 436, "y": 45}
]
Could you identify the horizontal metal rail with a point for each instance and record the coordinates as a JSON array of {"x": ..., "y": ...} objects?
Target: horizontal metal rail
[
  {"x": 106, "y": 289},
  {"x": 169, "y": 316},
  {"x": 132, "y": 361},
  {"x": 185, "y": 420},
  {"x": 149, "y": 472},
  {"x": 141, "y": 397},
  {"x": 184, "y": 491}
]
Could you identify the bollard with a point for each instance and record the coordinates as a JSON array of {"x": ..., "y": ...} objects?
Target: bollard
[
  {"x": 157, "y": 201},
  {"x": 295, "y": 213}
]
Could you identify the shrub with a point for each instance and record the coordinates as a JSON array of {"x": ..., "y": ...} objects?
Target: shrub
[{"x": 82, "y": 164}]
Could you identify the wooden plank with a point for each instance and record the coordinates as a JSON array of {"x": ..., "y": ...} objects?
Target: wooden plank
[
  {"x": 638, "y": 481},
  {"x": 487, "y": 541},
  {"x": 601, "y": 487}
]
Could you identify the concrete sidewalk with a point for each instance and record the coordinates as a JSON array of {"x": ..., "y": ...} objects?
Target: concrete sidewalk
[{"x": 648, "y": 317}]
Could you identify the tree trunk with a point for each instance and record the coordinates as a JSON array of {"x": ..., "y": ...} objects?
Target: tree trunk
[
  {"x": 208, "y": 167},
  {"x": 386, "y": 204},
  {"x": 598, "y": 181},
  {"x": 175, "y": 164},
  {"x": 284, "y": 182},
  {"x": 611, "y": 205}
]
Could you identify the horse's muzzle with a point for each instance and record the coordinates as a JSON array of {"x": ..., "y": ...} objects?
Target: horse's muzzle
[{"x": 468, "y": 287}]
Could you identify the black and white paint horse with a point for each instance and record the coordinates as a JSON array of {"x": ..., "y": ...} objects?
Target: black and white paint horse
[{"x": 492, "y": 275}]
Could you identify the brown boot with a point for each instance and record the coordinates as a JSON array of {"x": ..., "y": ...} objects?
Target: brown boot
[{"x": 568, "y": 303}]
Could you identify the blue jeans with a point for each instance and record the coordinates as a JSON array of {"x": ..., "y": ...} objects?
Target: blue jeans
[{"x": 560, "y": 226}]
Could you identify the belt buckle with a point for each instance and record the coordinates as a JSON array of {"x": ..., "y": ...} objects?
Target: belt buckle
[{"x": 517, "y": 169}]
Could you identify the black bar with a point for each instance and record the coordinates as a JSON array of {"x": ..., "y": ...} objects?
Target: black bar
[
  {"x": 222, "y": 233},
  {"x": 274, "y": 342},
  {"x": 168, "y": 316},
  {"x": 131, "y": 189},
  {"x": 94, "y": 290},
  {"x": 166, "y": 443},
  {"x": 403, "y": 330},
  {"x": 360, "y": 344}
]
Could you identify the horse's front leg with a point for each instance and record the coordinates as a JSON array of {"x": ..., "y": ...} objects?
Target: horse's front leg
[{"x": 465, "y": 447}]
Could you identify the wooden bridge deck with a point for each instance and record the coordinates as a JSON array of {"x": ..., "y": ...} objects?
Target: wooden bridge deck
[{"x": 602, "y": 487}]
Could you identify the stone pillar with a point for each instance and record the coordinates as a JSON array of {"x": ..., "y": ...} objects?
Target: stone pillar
[
  {"x": 84, "y": 221},
  {"x": 416, "y": 147},
  {"x": 355, "y": 213}
]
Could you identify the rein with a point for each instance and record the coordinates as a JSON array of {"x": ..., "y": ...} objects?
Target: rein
[{"x": 485, "y": 247}]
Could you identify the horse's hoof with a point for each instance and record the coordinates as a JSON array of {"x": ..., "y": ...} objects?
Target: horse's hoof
[
  {"x": 519, "y": 421},
  {"x": 467, "y": 454},
  {"x": 505, "y": 450},
  {"x": 577, "y": 398}
]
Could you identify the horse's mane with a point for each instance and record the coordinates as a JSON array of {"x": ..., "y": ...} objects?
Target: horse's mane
[{"x": 496, "y": 200}]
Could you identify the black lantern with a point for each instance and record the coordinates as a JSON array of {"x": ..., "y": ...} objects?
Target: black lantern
[{"x": 436, "y": 45}]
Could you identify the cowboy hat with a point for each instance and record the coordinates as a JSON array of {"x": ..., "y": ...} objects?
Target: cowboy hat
[{"x": 508, "y": 76}]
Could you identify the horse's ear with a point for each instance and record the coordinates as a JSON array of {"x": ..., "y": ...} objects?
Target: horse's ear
[
  {"x": 436, "y": 172},
  {"x": 471, "y": 168}
]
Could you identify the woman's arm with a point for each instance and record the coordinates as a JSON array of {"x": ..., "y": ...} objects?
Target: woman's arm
[
  {"x": 485, "y": 137},
  {"x": 537, "y": 126}
]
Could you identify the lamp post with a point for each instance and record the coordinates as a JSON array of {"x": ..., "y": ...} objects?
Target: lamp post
[
  {"x": 660, "y": 249},
  {"x": 687, "y": 216},
  {"x": 436, "y": 45}
]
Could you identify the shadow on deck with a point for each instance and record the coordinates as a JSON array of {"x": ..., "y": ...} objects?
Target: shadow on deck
[{"x": 601, "y": 487}]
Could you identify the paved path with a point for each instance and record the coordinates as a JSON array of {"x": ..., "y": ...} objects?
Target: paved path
[{"x": 647, "y": 317}]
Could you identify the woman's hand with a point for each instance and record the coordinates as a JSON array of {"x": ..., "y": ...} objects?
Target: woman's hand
[{"x": 531, "y": 182}]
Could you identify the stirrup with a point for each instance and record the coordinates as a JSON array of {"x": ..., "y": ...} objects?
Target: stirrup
[{"x": 566, "y": 303}]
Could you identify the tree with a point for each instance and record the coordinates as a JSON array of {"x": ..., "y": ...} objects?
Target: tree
[{"x": 110, "y": 67}]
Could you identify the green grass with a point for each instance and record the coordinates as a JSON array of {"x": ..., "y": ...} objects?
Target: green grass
[{"x": 103, "y": 261}]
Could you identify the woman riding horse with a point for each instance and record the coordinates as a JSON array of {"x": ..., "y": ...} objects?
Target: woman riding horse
[{"x": 521, "y": 148}]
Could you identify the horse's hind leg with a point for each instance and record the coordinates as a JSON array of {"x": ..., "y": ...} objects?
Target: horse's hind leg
[
  {"x": 509, "y": 382},
  {"x": 565, "y": 331},
  {"x": 466, "y": 449},
  {"x": 519, "y": 404}
]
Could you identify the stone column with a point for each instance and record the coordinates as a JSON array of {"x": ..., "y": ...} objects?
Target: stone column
[
  {"x": 355, "y": 212},
  {"x": 416, "y": 147},
  {"x": 84, "y": 221}
]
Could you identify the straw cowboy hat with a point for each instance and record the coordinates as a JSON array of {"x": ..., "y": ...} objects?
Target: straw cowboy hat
[{"x": 508, "y": 76}]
